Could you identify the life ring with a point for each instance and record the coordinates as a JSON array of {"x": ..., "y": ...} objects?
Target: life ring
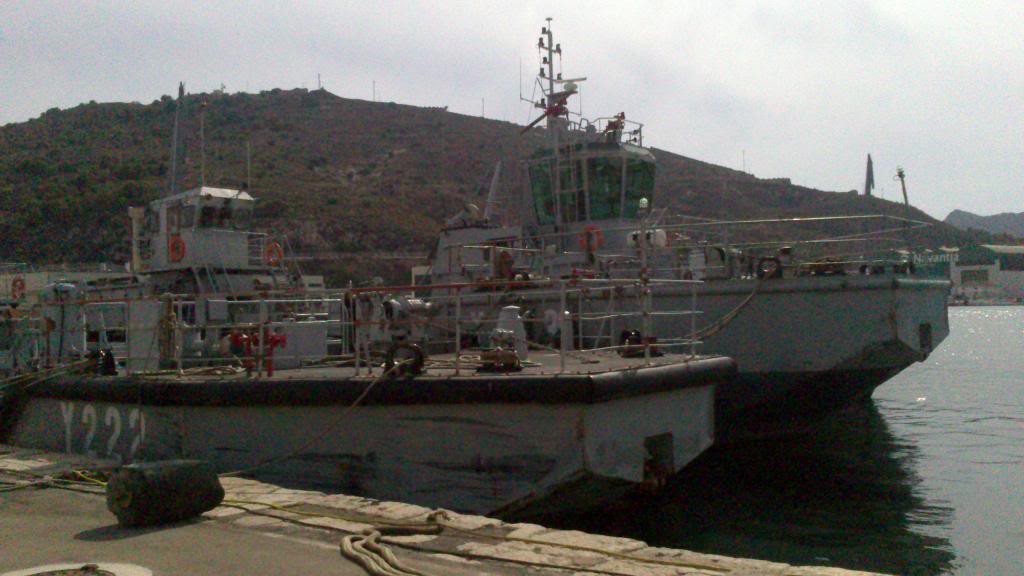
[
  {"x": 591, "y": 238},
  {"x": 17, "y": 288},
  {"x": 176, "y": 249},
  {"x": 505, "y": 266},
  {"x": 273, "y": 254}
]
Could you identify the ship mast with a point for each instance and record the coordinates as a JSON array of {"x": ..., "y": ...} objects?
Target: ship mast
[
  {"x": 550, "y": 61},
  {"x": 553, "y": 102},
  {"x": 174, "y": 140}
]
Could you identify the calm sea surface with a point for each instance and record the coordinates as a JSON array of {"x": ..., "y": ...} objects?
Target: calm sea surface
[{"x": 928, "y": 480}]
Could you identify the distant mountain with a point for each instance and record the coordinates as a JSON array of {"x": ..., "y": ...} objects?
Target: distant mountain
[
  {"x": 356, "y": 179},
  {"x": 1005, "y": 223}
]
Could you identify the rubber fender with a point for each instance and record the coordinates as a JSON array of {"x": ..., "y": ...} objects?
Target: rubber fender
[{"x": 154, "y": 493}]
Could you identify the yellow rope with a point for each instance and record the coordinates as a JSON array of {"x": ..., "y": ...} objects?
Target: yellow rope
[{"x": 438, "y": 518}]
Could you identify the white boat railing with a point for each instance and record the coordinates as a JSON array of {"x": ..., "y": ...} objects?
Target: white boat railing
[{"x": 182, "y": 332}]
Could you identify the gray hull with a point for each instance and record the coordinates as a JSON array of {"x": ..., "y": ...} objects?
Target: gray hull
[
  {"x": 809, "y": 347},
  {"x": 805, "y": 347},
  {"x": 480, "y": 445}
]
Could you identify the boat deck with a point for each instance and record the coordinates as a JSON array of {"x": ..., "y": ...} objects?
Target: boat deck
[{"x": 585, "y": 379}]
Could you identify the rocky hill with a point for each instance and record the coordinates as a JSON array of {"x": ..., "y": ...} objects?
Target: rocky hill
[
  {"x": 1007, "y": 223},
  {"x": 347, "y": 177}
]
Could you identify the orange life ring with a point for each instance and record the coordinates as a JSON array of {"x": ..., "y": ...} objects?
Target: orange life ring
[
  {"x": 17, "y": 288},
  {"x": 591, "y": 238},
  {"x": 176, "y": 249},
  {"x": 273, "y": 254}
]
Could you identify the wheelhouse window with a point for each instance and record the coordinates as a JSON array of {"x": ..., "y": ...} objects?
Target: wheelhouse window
[
  {"x": 605, "y": 182},
  {"x": 242, "y": 217},
  {"x": 573, "y": 204},
  {"x": 188, "y": 216},
  {"x": 541, "y": 188},
  {"x": 639, "y": 184},
  {"x": 214, "y": 216}
]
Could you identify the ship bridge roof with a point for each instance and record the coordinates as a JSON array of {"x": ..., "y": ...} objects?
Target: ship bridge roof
[
  {"x": 1004, "y": 249},
  {"x": 208, "y": 192}
]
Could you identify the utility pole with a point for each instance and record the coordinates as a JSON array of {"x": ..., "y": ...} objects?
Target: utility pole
[{"x": 902, "y": 176}]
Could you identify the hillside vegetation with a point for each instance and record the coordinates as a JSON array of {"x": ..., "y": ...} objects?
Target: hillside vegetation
[{"x": 348, "y": 177}]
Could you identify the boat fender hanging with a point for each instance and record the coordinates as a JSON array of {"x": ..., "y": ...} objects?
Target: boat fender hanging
[
  {"x": 17, "y": 288},
  {"x": 273, "y": 254},
  {"x": 176, "y": 249},
  {"x": 591, "y": 238},
  {"x": 769, "y": 267}
]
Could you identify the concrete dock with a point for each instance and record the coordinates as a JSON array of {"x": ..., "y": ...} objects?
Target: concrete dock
[{"x": 49, "y": 524}]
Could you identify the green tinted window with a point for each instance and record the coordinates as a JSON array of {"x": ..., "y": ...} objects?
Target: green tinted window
[
  {"x": 573, "y": 206},
  {"x": 540, "y": 187},
  {"x": 639, "y": 184},
  {"x": 605, "y": 182}
]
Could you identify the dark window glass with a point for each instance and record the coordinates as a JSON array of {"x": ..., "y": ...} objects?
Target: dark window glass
[
  {"x": 540, "y": 187},
  {"x": 639, "y": 184},
  {"x": 188, "y": 216},
  {"x": 571, "y": 179},
  {"x": 605, "y": 183}
]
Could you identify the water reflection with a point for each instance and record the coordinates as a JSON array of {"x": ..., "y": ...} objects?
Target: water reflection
[{"x": 848, "y": 497}]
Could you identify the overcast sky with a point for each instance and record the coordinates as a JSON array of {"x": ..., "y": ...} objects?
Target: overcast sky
[{"x": 790, "y": 89}]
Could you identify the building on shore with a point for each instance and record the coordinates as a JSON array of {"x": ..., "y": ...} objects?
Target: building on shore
[{"x": 988, "y": 273}]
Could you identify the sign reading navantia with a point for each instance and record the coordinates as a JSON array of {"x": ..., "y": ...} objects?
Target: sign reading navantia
[{"x": 934, "y": 258}]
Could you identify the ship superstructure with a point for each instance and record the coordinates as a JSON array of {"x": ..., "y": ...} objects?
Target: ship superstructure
[{"x": 812, "y": 330}]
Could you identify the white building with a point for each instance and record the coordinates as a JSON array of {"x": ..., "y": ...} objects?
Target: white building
[{"x": 989, "y": 273}]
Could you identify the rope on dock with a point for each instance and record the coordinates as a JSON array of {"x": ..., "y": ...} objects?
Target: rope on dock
[
  {"x": 438, "y": 521},
  {"x": 374, "y": 557}
]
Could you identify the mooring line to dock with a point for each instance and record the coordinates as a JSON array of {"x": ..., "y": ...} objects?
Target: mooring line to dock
[
  {"x": 439, "y": 520},
  {"x": 374, "y": 557},
  {"x": 366, "y": 544},
  {"x": 41, "y": 481},
  {"x": 725, "y": 319}
]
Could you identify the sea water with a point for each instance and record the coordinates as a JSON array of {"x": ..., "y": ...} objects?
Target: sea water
[{"x": 927, "y": 479}]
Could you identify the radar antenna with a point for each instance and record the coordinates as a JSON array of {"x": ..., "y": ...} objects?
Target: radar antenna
[{"x": 552, "y": 102}]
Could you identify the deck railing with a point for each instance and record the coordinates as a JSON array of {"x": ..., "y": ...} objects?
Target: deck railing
[{"x": 182, "y": 332}]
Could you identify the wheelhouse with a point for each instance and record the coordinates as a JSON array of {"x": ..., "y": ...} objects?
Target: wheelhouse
[{"x": 590, "y": 181}]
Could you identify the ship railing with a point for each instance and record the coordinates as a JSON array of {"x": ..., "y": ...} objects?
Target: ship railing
[
  {"x": 75, "y": 267},
  {"x": 186, "y": 336},
  {"x": 667, "y": 246},
  {"x": 606, "y": 128},
  {"x": 567, "y": 323}
]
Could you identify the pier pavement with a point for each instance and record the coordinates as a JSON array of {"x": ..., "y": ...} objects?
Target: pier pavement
[{"x": 261, "y": 529}]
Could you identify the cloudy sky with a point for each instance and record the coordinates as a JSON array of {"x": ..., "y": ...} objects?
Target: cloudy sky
[{"x": 785, "y": 88}]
